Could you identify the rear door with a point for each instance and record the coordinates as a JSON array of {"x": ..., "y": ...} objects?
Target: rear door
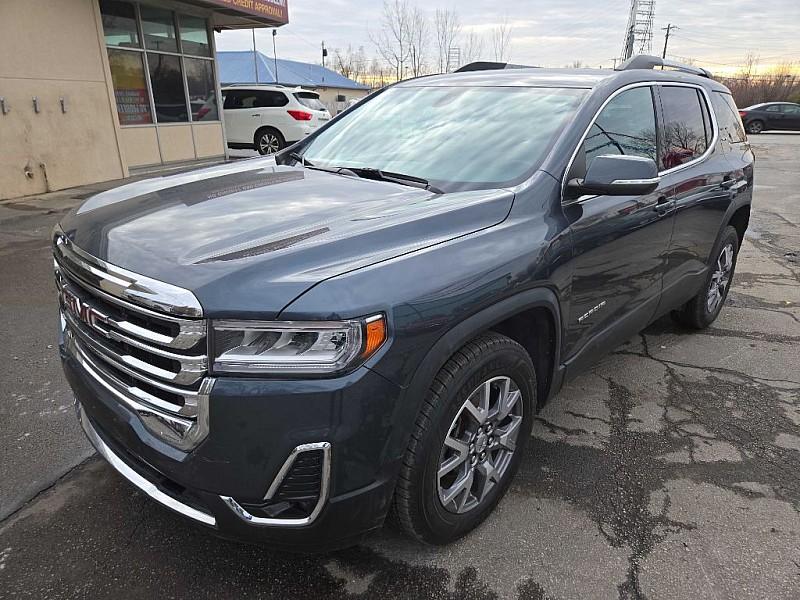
[
  {"x": 773, "y": 116},
  {"x": 791, "y": 114},
  {"x": 701, "y": 179},
  {"x": 619, "y": 242}
]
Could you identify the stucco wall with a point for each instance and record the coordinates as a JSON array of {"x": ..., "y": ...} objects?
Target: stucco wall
[{"x": 52, "y": 50}]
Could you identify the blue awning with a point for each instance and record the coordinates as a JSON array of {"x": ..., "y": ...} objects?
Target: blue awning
[{"x": 240, "y": 67}]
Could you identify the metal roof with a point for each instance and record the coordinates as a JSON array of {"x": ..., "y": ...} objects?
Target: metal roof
[{"x": 240, "y": 67}]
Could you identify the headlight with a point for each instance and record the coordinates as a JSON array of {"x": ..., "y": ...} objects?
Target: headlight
[{"x": 294, "y": 347}]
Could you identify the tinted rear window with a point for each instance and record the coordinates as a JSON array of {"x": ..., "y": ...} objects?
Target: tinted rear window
[
  {"x": 728, "y": 120},
  {"x": 310, "y": 100},
  {"x": 684, "y": 126}
]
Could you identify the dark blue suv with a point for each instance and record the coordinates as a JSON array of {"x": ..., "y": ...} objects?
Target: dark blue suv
[{"x": 291, "y": 348}]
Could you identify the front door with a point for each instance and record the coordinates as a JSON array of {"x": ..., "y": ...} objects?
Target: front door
[
  {"x": 242, "y": 116},
  {"x": 619, "y": 242}
]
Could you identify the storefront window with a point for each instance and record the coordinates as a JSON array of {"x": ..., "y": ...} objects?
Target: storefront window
[
  {"x": 158, "y": 28},
  {"x": 119, "y": 23},
  {"x": 130, "y": 87},
  {"x": 202, "y": 96},
  {"x": 168, "y": 93},
  {"x": 194, "y": 36},
  {"x": 174, "y": 68}
]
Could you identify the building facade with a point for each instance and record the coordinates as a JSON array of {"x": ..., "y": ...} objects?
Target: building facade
[{"x": 93, "y": 89}]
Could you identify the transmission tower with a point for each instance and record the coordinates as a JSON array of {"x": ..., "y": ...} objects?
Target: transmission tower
[{"x": 639, "y": 32}]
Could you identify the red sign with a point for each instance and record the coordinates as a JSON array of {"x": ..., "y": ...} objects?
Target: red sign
[{"x": 275, "y": 10}]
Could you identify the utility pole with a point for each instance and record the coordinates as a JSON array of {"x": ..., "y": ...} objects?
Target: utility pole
[
  {"x": 255, "y": 54},
  {"x": 668, "y": 29},
  {"x": 324, "y": 53},
  {"x": 275, "y": 54}
]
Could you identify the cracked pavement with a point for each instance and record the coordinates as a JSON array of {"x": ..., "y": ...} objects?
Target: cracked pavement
[{"x": 670, "y": 470}]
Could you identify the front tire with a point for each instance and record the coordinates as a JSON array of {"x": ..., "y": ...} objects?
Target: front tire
[
  {"x": 755, "y": 127},
  {"x": 468, "y": 440},
  {"x": 703, "y": 309}
]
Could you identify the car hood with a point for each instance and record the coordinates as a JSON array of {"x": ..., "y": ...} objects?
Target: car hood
[{"x": 249, "y": 237}]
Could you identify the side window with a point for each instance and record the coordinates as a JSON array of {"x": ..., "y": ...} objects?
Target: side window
[
  {"x": 791, "y": 110},
  {"x": 684, "y": 126},
  {"x": 728, "y": 119},
  {"x": 271, "y": 99},
  {"x": 773, "y": 108},
  {"x": 249, "y": 100},
  {"x": 627, "y": 125}
]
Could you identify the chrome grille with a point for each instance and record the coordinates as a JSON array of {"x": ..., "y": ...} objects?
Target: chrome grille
[{"x": 141, "y": 339}]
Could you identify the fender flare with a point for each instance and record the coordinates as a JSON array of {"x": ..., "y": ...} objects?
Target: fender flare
[{"x": 481, "y": 321}]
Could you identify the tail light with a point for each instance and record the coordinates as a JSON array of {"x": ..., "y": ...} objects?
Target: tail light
[
  {"x": 300, "y": 115},
  {"x": 742, "y": 113}
]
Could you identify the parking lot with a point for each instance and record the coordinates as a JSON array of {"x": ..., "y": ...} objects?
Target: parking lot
[{"x": 670, "y": 470}]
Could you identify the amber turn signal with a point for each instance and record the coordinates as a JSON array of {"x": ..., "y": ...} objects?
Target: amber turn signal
[{"x": 375, "y": 334}]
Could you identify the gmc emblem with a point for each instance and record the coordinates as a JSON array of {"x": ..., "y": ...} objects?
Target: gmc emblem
[{"x": 82, "y": 311}]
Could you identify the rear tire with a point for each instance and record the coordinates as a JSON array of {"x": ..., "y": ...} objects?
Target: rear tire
[
  {"x": 703, "y": 309},
  {"x": 269, "y": 140},
  {"x": 457, "y": 467},
  {"x": 755, "y": 126}
]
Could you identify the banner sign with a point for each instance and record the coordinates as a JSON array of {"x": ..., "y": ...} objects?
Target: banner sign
[{"x": 275, "y": 10}]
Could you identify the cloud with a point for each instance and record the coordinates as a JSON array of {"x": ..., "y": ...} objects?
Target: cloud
[{"x": 545, "y": 33}]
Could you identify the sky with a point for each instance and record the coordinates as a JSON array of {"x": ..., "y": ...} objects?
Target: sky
[{"x": 717, "y": 34}]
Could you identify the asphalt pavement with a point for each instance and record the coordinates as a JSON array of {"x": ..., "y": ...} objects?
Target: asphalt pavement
[{"x": 670, "y": 470}]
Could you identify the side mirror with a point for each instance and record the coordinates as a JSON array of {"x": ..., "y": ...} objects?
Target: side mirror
[{"x": 617, "y": 175}]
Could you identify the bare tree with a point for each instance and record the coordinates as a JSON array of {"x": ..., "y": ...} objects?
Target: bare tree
[
  {"x": 392, "y": 40},
  {"x": 377, "y": 74},
  {"x": 501, "y": 41},
  {"x": 471, "y": 47},
  {"x": 352, "y": 64},
  {"x": 448, "y": 26},
  {"x": 418, "y": 41}
]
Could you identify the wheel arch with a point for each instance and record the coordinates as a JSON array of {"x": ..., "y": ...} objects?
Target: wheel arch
[
  {"x": 521, "y": 317},
  {"x": 739, "y": 220},
  {"x": 261, "y": 128}
]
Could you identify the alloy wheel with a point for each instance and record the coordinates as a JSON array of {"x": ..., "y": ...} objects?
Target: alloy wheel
[
  {"x": 480, "y": 444},
  {"x": 269, "y": 143},
  {"x": 720, "y": 279}
]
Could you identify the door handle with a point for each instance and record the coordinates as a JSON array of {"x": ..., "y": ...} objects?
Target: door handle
[{"x": 662, "y": 205}]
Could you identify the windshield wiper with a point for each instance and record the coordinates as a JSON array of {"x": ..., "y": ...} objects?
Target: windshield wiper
[{"x": 401, "y": 178}]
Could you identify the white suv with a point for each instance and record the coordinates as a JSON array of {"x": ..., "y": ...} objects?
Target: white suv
[{"x": 268, "y": 118}]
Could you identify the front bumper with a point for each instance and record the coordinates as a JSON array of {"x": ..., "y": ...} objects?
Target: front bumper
[{"x": 255, "y": 427}]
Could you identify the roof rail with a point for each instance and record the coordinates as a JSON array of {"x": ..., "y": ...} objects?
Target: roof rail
[
  {"x": 645, "y": 61},
  {"x": 490, "y": 66}
]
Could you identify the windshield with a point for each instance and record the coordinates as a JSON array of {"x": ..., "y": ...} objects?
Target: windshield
[
  {"x": 469, "y": 137},
  {"x": 310, "y": 100}
]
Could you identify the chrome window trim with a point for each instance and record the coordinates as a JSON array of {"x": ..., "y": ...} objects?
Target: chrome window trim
[
  {"x": 273, "y": 488},
  {"x": 636, "y": 181},
  {"x": 126, "y": 285},
  {"x": 701, "y": 158},
  {"x": 140, "y": 482}
]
